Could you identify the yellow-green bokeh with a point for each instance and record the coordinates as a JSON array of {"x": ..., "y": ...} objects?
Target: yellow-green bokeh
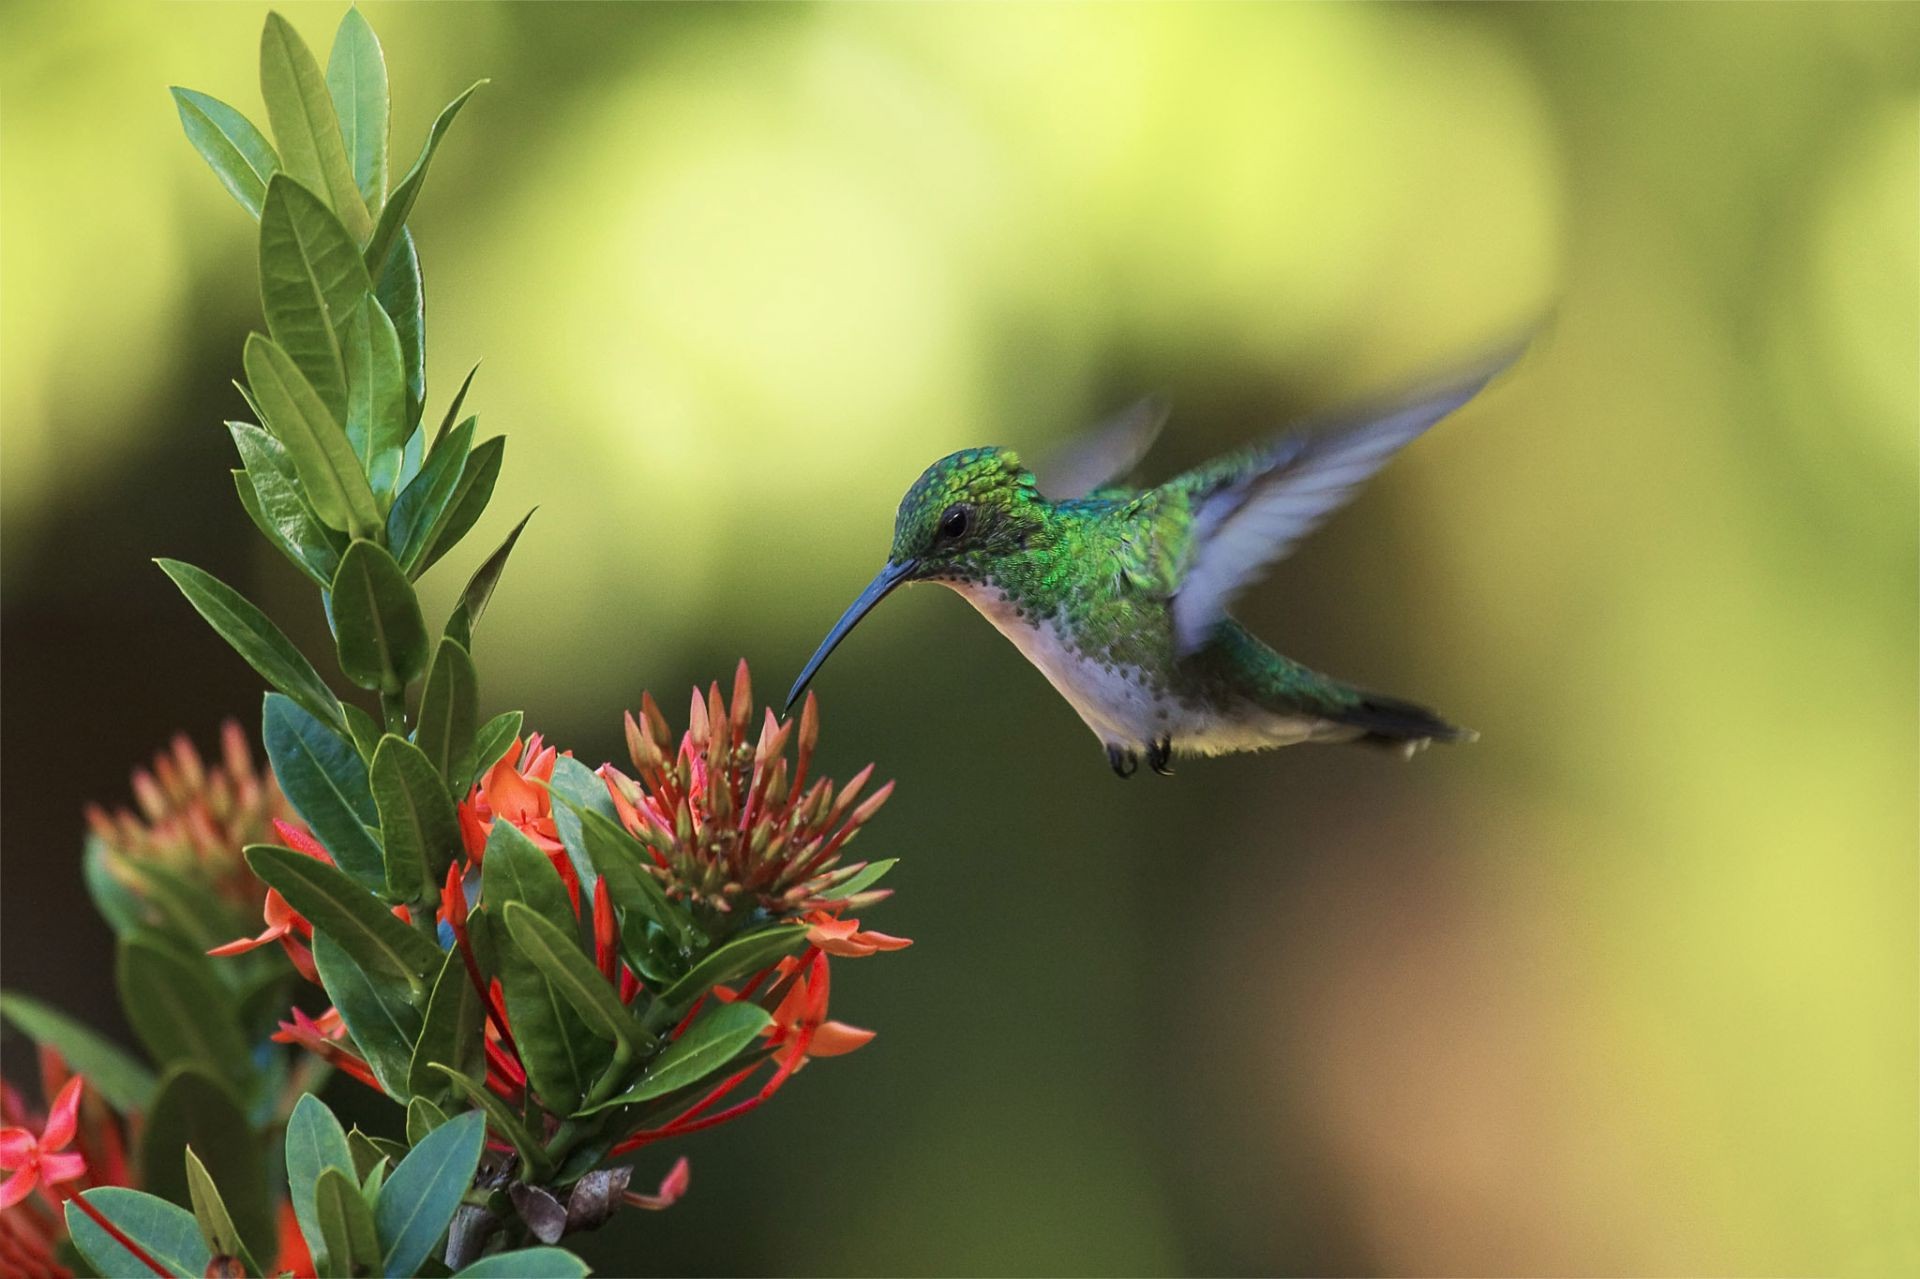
[{"x": 1628, "y": 986}]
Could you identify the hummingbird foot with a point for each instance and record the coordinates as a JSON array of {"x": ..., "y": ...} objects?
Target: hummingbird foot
[
  {"x": 1160, "y": 756},
  {"x": 1124, "y": 761}
]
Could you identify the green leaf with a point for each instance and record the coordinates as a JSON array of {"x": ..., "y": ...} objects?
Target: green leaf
[
  {"x": 561, "y": 1054},
  {"x": 382, "y": 638},
  {"x": 400, "y": 207},
  {"x": 254, "y": 636},
  {"x": 556, "y": 954},
  {"x": 449, "y": 709},
  {"x": 178, "y": 1009},
  {"x": 196, "y": 1108},
  {"x": 316, "y": 443},
  {"x": 617, "y": 857},
  {"x": 325, "y": 780},
  {"x": 473, "y": 600},
  {"x": 348, "y": 913},
  {"x": 210, "y": 1211},
  {"x": 311, "y": 279},
  {"x": 271, "y": 494},
  {"x": 577, "y": 785},
  {"x": 736, "y": 959},
  {"x": 526, "y": 1263},
  {"x": 495, "y": 738},
  {"x": 861, "y": 880},
  {"x": 370, "y": 1152},
  {"x": 357, "y": 81},
  {"x": 459, "y": 398},
  {"x": 346, "y": 1223},
  {"x": 422, "y": 1118},
  {"x": 418, "y": 824},
  {"x": 503, "y": 1120},
  {"x": 315, "y": 1143},
  {"x": 377, "y": 421},
  {"x": 705, "y": 1047},
  {"x": 419, "y": 1200},
  {"x": 379, "y": 1014},
  {"x": 240, "y": 154},
  {"x": 416, "y": 513},
  {"x": 365, "y": 732},
  {"x": 165, "y": 1232},
  {"x": 305, "y": 125},
  {"x": 117, "y": 903},
  {"x": 452, "y": 1033},
  {"x": 115, "y": 1075},
  {"x": 398, "y": 287},
  {"x": 470, "y": 498}
]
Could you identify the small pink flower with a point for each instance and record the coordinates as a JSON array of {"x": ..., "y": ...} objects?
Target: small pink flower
[{"x": 43, "y": 1159}]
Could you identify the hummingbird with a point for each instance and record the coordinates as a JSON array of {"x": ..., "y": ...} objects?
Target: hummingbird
[{"x": 1120, "y": 595}]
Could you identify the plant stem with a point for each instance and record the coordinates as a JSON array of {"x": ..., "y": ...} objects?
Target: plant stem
[{"x": 393, "y": 707}]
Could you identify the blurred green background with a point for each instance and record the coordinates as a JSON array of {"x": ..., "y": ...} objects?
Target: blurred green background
[{"x": 1628, "y": 986}]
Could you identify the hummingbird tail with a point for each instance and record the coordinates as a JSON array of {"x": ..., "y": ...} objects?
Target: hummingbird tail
[{"x": 1392, "y": 724}]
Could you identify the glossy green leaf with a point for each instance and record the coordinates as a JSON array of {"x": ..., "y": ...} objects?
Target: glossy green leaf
[
  {"x": 179, "y": 1010},
  {"x": 561, "y": 1054},
  {"x": 357, "y": 82},
  {"x": 393, "y": 218},
  {"x": 217, "y": 1230},
  {"x": 470, "y": 498},
  {"x": 557, "y": 955},
  {"x": 449, "y": 712},
  {"x": 377, "y": 627},
  {"x": 705, "y": 1047},
  {"x": 311, "y": 280},
  {"x": 165, "y": 1232},
  {"x": 479, "y": 589},
  {"x": 418, "y": 825},
  {"x": 398, "y": 287},
  {"x": 574, "y": 784},
  {"x": 254, "y": 636},
  {"x": 422, "y": 1118},
  {"x": 364, "y": 730},
  {"x": 502, "y": 1119},
  {"x": 377, "y": 421},
  {"x": 526, "y": 1263},
  {"x": 315, "y": 1142},
  {"x": 453, "y": 406},
  {"x": 495, "y": 738},
  {"x": 196, "y": 1108},
  {"x": 240, "y": 155},
  {"x": 114, "y": 1074},
  {"x": 416, "y": 512},
  {"x": 330, "y": 476},
  {"x": 452, "y": 1032},
  {"x": 379, "y": 1014},
  {"x": 738, "y": 958},
  {"x": 305, "y": 125},
  {"x": 271, "y": 493},
  {"x": 348, "y": 913},
  {"x": 325, "y": 780},
  {"x": 615, "y": 856},
  {"x": 419, "y": 1200},
  {"x": 346, "y": 1223}
]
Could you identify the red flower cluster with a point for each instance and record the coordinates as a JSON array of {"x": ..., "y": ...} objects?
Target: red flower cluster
[
  {"x": 77, "y": 1144},
  {"x": 727, "y": 826}
]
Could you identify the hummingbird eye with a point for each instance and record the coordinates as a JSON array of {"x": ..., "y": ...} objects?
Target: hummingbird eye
[{"x": 953, "y": 523}]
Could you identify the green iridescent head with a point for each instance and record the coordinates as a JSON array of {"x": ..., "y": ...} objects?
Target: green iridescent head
[{"x": 964, "y": 513}]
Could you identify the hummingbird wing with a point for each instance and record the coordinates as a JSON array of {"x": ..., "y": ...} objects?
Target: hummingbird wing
[
  {"x": 1105, "y": 454},
  {"x": 1250, "y": 509}
]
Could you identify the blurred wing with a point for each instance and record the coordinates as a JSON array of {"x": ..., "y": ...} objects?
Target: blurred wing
[
  {"x": 1251, "y": 511},
  {"x": 1103, "y": 455}
]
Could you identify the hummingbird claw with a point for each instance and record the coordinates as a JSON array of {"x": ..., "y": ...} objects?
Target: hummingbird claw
[
  {"x": 1124, "y": 761},
  {"x": 1160, "y": 756}
]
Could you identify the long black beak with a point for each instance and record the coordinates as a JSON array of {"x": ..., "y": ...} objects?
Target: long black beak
[{"x": 878, "y": 589}]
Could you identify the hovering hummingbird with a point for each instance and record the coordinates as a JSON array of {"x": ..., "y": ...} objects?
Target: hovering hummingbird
[{"x": 1120, "y": 595}]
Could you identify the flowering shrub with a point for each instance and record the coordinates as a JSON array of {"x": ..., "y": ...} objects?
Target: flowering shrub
[{"x": 547, "y": 965}]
